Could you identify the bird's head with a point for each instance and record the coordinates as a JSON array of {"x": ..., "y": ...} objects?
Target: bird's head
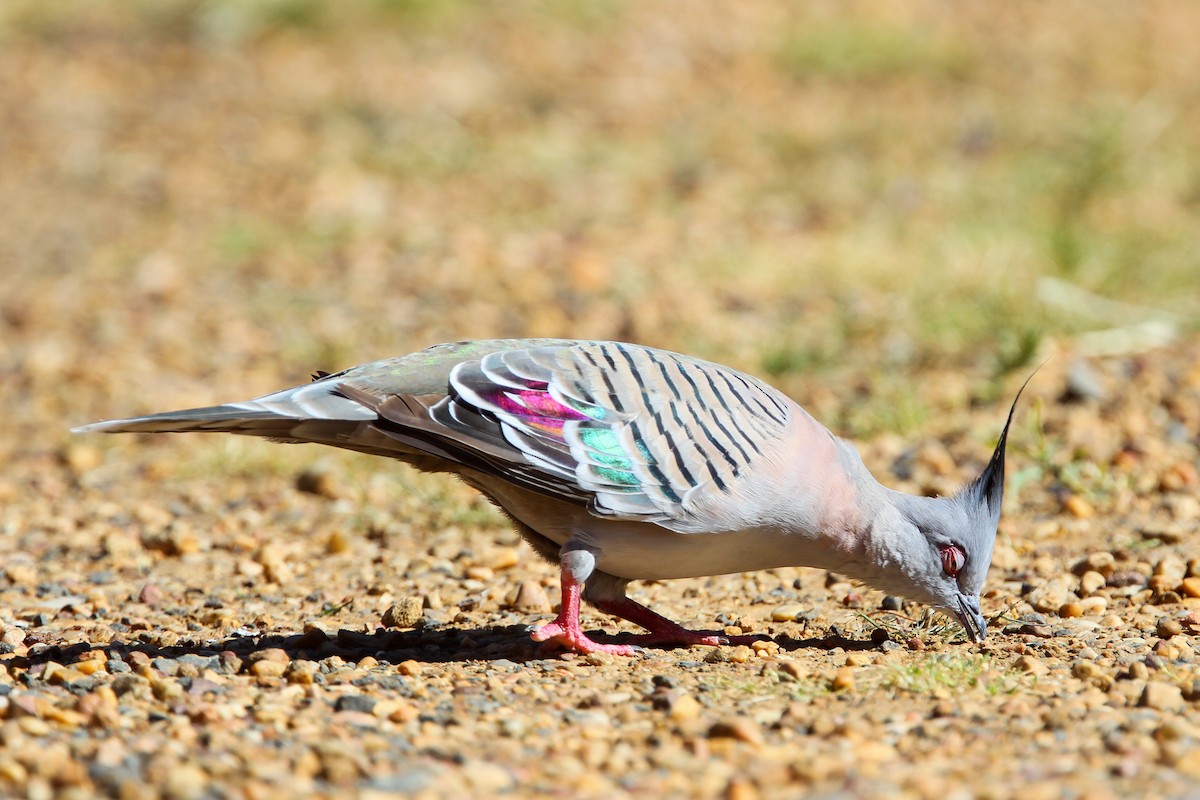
[{"x": 948, "y": 550}]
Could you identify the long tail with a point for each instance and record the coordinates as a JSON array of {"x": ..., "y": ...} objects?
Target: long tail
[{"x": 317, "y": 412}]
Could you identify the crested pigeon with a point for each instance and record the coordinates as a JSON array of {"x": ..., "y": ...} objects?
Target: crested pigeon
[{"x": 622, "y": 462}]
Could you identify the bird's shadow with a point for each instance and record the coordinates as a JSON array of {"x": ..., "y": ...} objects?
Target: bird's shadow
[{"x": 442, "y": 644}]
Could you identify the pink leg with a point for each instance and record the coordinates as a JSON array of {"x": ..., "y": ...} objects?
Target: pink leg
[
  {"x": 566, "y": 629},
  {"x": 663, "y": 630}
]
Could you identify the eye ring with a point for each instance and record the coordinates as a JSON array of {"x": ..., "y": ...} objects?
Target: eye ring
[{"x": 953, "y": 559}]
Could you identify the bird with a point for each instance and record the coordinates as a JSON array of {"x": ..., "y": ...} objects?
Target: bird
[{"x": 621, "y": 462}]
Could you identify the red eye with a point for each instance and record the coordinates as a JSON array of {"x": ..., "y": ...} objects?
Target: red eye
[{"x": 953, "y": 559}]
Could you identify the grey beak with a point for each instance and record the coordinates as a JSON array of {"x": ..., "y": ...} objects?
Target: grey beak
[{"x": 971, "y": 617}]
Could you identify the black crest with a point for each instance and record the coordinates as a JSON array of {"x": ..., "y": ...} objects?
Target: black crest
[{"x": 988, "y": 488}]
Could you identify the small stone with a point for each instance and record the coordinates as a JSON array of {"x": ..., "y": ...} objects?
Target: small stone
[
  {"x": 166, "y": 689},
  {"x": 843, "y": 681},
  {"x": 740, "y": 654},
  {"x": 1051, "y": 595},
  {"x": 268, "y": 669},
  {"x": 91, "y": 667},
  {"x": 301, "y": 672},
  {"x": 505, "y": 558},
  {"x": 1166, "y": 651},
  {"x": 1093, "y": 606},
  {"x": 858, "y": 659},
  {"x": 1173, "y": 567},
  {"x": 1190, "y": 587},
  {"x": 684, "y": 709},
  {"x": 1165, "y": 532},
  {"x": 410, "y": 668},
  {"x": 216, "y": 617},
  {"x": 479, "y": 573},
  {"x": 13, "y": 636},
  {"x": 793, "y": 669},
  {"x": 1077, "y": 507},
  {"x": 81, "y": 458},
  {"x": 395, "y": 710},
  {"x": 1031, "y": 665},
  {"x": 230, "y": 662},
  {"x": 404, "y": 613},
  {"x": 152, "y": 595},
  {"x": 741, "y": 789},
  {"x": 58, "y": 675},
  {"x": 185, "y": 782},
  {"x": 1162, "y": 697},
  {"x": 530, "y": 598},
  {"x": 1125, "y": 578},
  {"x": 1083, "y": 383},
  {"x": 742, "y": 729},
  {"x": 338, "y": 541},
  {"x": 787, "y": 613},
  {"x": 1090, "y": 582},
  {"x": 1070, "y": 610},
  {"x": 276, "y": 654},
  {"x": 355, "y": 702},
  {"x": 1168, "y": 627},
  {"x": 1102, "y": 562},
  {"x": 320, "y": 480}
]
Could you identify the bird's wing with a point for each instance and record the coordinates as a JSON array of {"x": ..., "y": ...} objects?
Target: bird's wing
[{"x": 632, "y": 432}]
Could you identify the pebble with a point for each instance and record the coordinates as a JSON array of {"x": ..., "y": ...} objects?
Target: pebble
[
  {"x": 338, "y": 541},
  {"x": 1069, "y": 610},
  {"x": 1078, "y": 507},
  {"x": 301, "y": 672},
  {"x": 684, "y": 708},
  {"x": 1091, "y": 582},
  {"x": 738, "y": 728},
  {"x": 1031, "y": 665},
  {"x": 530, "y": 598},
  {"x": 185, "y": 782},
  {"x": 1052, "y": 595},
  {"x": 740, "y": 654},
  {"x": 505, "y": 558},
  {"x": 1093, "y": 605},
  {"x": 1190, "y": 587},
  {"x": 1171, "y": 567},
  {"x": 355, "y": 702},
  {"x": 787, "y": 613},
  {"x": 1102, "y": 562},
  {"x": 320, "y": 480},
  {"x": 268, "y": 669},
  {"x": 152, "y": 595},
  {"x": 1083, "y": 382},
  {"x": 1168, "y": 627},
  {"x": 843, "y": 680},
  {"x": 1162, "y": 697},
  {"x": 404, "y": 613}
]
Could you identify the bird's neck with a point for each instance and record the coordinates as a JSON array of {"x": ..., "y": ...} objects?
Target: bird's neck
[{"x": 884, "y": 536}]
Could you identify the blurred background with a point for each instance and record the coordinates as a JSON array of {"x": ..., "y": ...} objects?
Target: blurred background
[
  {"x": 893, "y": 211},
  {"x": 886, "y": 209}
]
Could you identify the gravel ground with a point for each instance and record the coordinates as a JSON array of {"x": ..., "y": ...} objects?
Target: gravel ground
[
  {"x": 204, "y": 203},
  {"x": 252, "y": 637}
]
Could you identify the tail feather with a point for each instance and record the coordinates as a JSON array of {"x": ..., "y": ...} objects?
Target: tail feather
[{"x": 234, "y": 418}]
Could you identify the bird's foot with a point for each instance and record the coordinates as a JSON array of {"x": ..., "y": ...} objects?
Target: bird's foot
[
  {"x": 664, "y": 632},
  {"x": 573, "y": 638}
]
